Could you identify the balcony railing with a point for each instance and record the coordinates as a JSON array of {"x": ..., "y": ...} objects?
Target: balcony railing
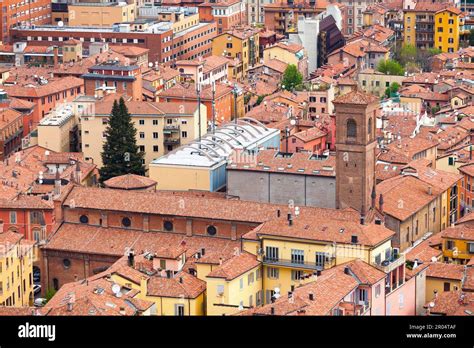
[
  {"x": 392, "y": 263},
  {"x": 294, "y": 264},
  {"x": 171, "y": 141},
  {"x": 170, "y": 127}
]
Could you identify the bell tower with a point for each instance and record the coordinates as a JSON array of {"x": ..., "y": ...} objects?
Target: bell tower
[{"x": 356, "y": 115}]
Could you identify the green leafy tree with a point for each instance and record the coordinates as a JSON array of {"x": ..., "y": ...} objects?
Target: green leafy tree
[
  {"x": 392, "y": 89},
  {"x": 120, "y": 153},
  {"x": 408, "y": 53},
  {"x": 390, "y": 67},
  {"x": 292, "y": 77},
  {"x": 471, "y": 37}
]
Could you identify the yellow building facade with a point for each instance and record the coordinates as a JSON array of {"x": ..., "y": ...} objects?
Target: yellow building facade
[
  {"x": 283, "y": 273},
  {"x": 447, "y": 29},
  {"x": 16, "y": 270},
  {"x": 240, "y": 44}
]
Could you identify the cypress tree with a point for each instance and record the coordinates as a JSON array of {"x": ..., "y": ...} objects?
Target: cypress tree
[{"x": 120, "y": 153}]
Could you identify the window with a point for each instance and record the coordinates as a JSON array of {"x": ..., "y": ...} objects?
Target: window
[
  {"x": 241, "y": 283},
  {"x": 179, "y": 310},
  {"x": 155, "y": 135},
  {"x": 297, "y": 256},
  {"x": 184, "y": 134},
  {"x": 320, "y": 257},
  {"x": 369, "y": 126},
  {"x": 141, "y": 122},
  {"x": 155, "y": 148},
  {"x": 66, "y": 263},
  {"x": 155, "y": 122},
  {"x": 449, "y": 244},
  {"x": 55, "y": 283},
  {"x": 250, "y": 278},
  {"x": 220, "y": 290},
  {"x": 13, "y": 217},
  {"x": 351, "y": 128},
  {"x": 211, "y": 230},
  {"x": 271, "y": 253},
  {"x": 168, "y": 225},
  {"x": 272, "y": 273},
  {"x": 446, "y": 286},
  {"x": 83, "y": 219},
  {"x": 470, "y": 248},
  {"x": 142, "y": 135},
  {"x": 163, "y": 264},
  {"x": 377, "y": 290},
  {"x": 378, "y": 259},
  {"x": 296, "y": 275},
  {"x": 126, "y": 222}
]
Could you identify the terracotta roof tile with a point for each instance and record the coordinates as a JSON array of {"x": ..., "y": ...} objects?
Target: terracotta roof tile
[{"x": 235, "y": 266}]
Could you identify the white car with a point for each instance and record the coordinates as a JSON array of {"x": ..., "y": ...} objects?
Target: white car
[
  {"x": 36, "y": 288},
  {"x": 39, "y": 302}
]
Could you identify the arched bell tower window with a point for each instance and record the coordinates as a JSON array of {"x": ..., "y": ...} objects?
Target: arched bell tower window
[
  {"x": 369, "y": 127},
  {"x": 351, "y": 128}
]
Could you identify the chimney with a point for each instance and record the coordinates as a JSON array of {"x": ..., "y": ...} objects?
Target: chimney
[
  {"x": 181, "y": 280},
  {"x": 70, "y": 306},
  {"x": 347, "y": 270},
  {"x": 381, "y": 203},
  {"x": 311, "y": 296},
  {"x": 131, "y": 258},
  {"x": 220, "y": 261},
  {"x": 78, "y": 173},
  {"x": 373, "y": 196},
  {"x": 55, "y": 56},
  {"x": 278, "y": 213},
  {"x": 203, "y": 251},
  {"x": 122, "y": 311},
  {"x": 272, "y": 310},
  {"x": 341, "y": 55},
  {"x": 429, "y": 190},
  {"x": 57, "y": 184},
  {"x": 290, "y": 219}
]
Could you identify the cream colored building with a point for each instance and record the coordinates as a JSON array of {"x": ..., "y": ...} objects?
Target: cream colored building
[
  {"x": 375, "y": 82},
  {"x": 161, "y": 127},
  {"x": 54, "y": 131},
  {"x": 101, "y": 14}
]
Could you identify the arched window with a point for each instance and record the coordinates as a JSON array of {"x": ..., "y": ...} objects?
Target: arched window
[
  {"x": 351, "y": 128},
  {"x": 369, "y": 126},
  {"x": 55, "y": 283}
]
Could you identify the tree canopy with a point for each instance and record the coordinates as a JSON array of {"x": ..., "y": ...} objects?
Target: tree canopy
[
  {"x": 390, "y": 67},
  {"x": 292, "y": 77},
  {"x": 120, "y": 153}
]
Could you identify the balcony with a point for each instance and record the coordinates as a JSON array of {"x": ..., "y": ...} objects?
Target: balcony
[
  {"x": 389, "y": 265},
  {"x": 171, "y": 141},
  {"x": 293, "y": 264},
  {"x": 170, "y": 128}
]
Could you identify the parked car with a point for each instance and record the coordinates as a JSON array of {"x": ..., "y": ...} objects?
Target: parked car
[
  {"x": 36, "y": 289},
  {"x": 39, "y": 302}
]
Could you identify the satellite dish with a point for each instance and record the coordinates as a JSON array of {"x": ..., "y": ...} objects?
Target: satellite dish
[
  {"x": 150, "y": 65},
  {"x": 60, "y": 24},
  {"x": 434, "y": 259},
  {"x": 277, "y": 290},
  {"x": 116, "y": 290},
  {"x": 432, "y": 304}
]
